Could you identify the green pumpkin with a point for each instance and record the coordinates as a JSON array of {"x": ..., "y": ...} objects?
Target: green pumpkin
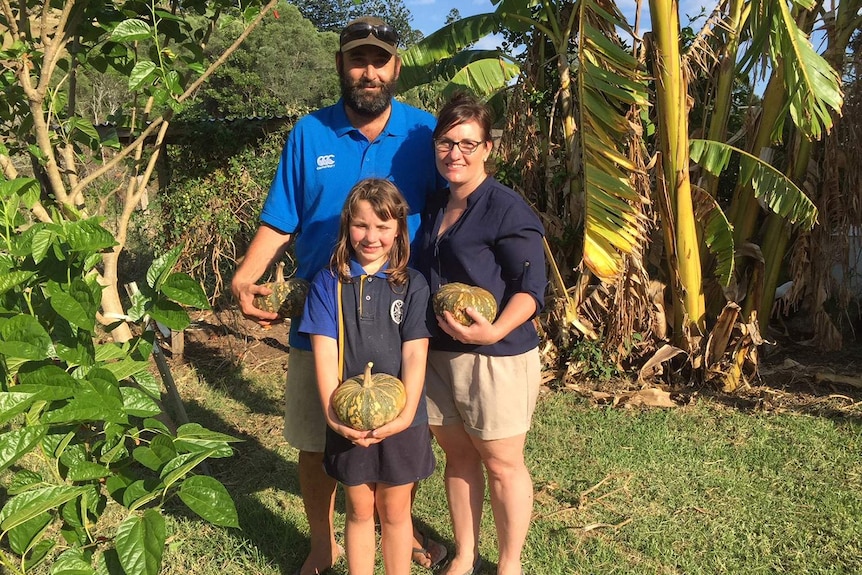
[
  {"x": 457, "y": 297},
  {"x": 287, "y": 298},
  {"x": 365, "y": 401}
]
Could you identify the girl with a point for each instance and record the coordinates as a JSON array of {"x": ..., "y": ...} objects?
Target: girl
[{"x": 384, "y": 308}]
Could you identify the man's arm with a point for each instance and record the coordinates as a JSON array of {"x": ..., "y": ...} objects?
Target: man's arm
[{"x": 268, "y": 245}]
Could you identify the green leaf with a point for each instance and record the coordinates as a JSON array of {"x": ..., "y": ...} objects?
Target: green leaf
[
  {"x": 12, "y": 403},
  {"x": 23, "y": 536},
  {"x": 137, "y": 403},
  {"x": 13, "y": 279},
  {"x": 131, "y": 31},
  {"x": 24, "y": 480},
  {"x": 77, "y": 303},
  {"x": 72, "y": 562},
  {"x": 184, "y": 290},
  {"x": 208, "y": 498},
  {"x": 38, "y": 553},
  {"x": 24, "y": 337},
  {"x": 442, "y": 45},
  {"x": 161, "y": 268},
  {"x": 718, "y": 233},
  {"x": 776, "y": 190},
  {"x": 170, "y": 314},
  {"x": 19, "y": 442},
  {"x": 182, "y": 466},
  {"x": 142, "y": 73},
  {"x": 140, "y": 543},
  {"x": 87, "y": 236},
  {"x": 126, "y": 368},
  {"x": 86, "y": 471},
  {"x": 29, "y": 504}
]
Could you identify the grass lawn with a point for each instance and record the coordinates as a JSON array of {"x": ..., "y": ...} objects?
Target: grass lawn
[{"x": 702, "y": 489}]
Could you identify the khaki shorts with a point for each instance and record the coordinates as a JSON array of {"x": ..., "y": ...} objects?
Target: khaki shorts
[
  {"x": 493, "y": 397},
  {"x": 304, "y": 424}
]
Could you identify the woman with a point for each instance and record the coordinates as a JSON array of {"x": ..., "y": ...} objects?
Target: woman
[{"x": 482, "y": 380}]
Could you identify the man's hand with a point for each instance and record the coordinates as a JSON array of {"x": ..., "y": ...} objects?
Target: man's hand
[{"x": 244, "y": 293}]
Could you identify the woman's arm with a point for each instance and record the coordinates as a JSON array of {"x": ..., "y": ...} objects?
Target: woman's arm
[{"x": 414, "y": 355}]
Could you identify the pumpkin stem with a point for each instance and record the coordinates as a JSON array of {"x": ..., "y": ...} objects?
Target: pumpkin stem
[
  {"x": 366, "y": 381},
  {"x": 279, "y": 271}
]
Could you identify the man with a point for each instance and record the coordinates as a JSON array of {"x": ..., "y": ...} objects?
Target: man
[{"x": 366, "y": 134}]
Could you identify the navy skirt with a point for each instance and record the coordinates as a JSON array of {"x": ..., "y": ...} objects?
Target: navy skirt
[{"x": 397, "y": 460}]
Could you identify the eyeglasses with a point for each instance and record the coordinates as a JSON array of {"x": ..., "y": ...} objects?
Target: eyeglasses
[
  {"x": 359, "y": 30},
  {"x": 467, "y": 147}
]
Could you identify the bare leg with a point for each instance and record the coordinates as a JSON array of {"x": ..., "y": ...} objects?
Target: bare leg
[
  {"x": 465, "y": 489},
  {"x": 396, "y": 527},
  {"x": 359, "y": 535},
  {"x": 511, "y": 491},
  {"x": 318, "y": 497}
]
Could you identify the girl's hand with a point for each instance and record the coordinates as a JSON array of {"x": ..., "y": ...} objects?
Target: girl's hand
[
  {"x": 480, "y": 332},
  {"x": 395, "y": 426},
  {"x": 361, "y": 438}
]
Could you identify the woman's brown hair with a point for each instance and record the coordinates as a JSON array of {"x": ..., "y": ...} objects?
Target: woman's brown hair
[
  {"x": 461, "y": 108},
  {"x": 388, "y": 204}
]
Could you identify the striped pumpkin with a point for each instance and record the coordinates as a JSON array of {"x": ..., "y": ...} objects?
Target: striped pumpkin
[
  {"x": 457, "y": 297},
  {"x": 365, "y": 402},
  {"x": 287, "y": 298}
]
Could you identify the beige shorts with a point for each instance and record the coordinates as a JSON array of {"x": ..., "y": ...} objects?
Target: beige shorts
[
  {"x": 304, "y": 424},
  {"x": 494, "y": 397}
]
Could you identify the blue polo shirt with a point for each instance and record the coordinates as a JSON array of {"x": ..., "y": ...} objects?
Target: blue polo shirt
[
  {"x": 495, "y": 244},
  {"x": 323, "y": 158},
  {"x": 378, "y": 318}
]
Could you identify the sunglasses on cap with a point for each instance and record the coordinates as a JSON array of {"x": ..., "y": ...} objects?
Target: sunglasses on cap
[{"x": 359, "y": 30}]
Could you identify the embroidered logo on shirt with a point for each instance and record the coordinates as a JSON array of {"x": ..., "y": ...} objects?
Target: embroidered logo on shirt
[
  {"x": 396, "y": 311},
  {"x": 327, "y": 161}
]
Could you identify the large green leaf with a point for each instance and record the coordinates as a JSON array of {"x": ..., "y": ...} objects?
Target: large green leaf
[
  {"x": 24, "y": 337},
  {"x": 208, "y": 498},
  {"x": 775, "y": 189},
  {"x": 717, "y": 233},
  {"x": 184, "y": 290},
  {"x": 78, "y": 303},
  {"x": 483, "y": 77},
  {"x": 813, "y": 87},
  {"x": 18, "y": 442},
  {"x": 29, "y": 504},
  {"x": 442, "y": 45},
  {"x": 140, "y": 543},
  {"x": 161, "y": 268}
]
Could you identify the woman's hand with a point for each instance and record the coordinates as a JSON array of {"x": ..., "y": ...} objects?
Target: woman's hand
[{"x": 480, "y": 332}]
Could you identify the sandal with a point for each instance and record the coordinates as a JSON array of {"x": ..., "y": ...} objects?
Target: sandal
[{"x": 431, "y": 551}]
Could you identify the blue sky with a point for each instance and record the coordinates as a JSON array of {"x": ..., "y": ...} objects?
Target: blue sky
[{"x": 430, "y": 15}]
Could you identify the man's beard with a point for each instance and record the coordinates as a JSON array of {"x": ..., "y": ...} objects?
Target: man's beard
[{"x": 368, "y": 105}]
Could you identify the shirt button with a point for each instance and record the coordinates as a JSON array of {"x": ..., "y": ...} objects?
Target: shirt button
[
  {"x": 370, "y": 280},
  {"x": 368, "y": 298}
]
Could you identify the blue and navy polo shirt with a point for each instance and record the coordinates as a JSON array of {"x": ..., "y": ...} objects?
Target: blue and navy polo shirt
[
  {"x": 496, "y": 244},
  {"x": 378, "y": 318},
  {"x": 323, "y": 158}
]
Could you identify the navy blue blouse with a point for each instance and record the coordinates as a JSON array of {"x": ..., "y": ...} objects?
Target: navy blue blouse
[{"x": 496, "y": 244}]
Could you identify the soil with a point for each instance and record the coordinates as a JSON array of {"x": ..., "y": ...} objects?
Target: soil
[{"x": 792, "y": 375}]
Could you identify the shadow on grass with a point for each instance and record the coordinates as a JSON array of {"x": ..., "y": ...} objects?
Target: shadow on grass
[{"x": 270, "y": 521}]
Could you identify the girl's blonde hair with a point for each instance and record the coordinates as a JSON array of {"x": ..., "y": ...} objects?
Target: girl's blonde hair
[{"x": 388, "y": 204}]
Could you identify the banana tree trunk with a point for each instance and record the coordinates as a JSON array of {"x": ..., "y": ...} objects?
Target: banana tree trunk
[
  {"x": 717, "y": 130},
  {"x": 672, "y": 121}
]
